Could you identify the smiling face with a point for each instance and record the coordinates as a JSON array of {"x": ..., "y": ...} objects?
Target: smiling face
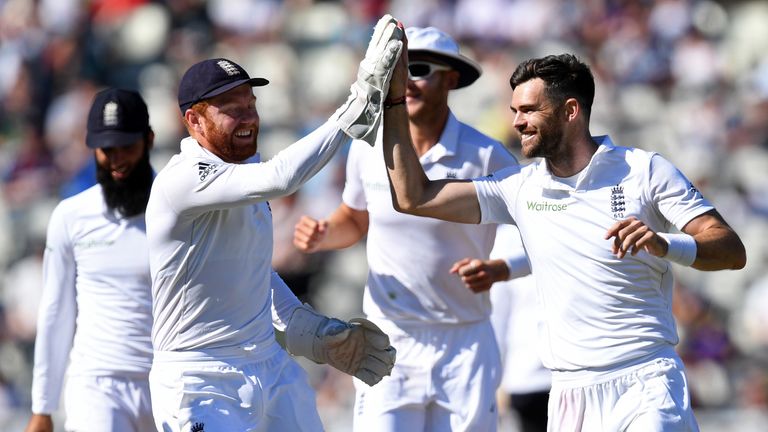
[
  {"x": 119, "y": 162},
  {"x": 227, "y": 124},
  {"x": 537, "y": 120},
  {"x": 126, "y": 175}
]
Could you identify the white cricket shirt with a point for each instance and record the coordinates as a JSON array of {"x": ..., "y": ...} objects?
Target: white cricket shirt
[
  {"x": 409, "y": 256},
  {"x": 599, "y": 311},
  {"x": 96, "y": 302},
  {"x": 210, "y": 244}
]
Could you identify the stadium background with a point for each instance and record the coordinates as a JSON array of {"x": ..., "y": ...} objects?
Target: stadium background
[{"x": 686, "y": 78}]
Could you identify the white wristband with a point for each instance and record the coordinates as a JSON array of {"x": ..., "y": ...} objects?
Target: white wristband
[
  {"x": 518, "y": 266},
  {"x": 682, "y": 248}
]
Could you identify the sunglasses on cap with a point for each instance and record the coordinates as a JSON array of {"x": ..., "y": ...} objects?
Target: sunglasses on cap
[{"x": 419, "y": 70}]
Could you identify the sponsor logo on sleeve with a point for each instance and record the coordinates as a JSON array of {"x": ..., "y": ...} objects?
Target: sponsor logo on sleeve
[
  {"x": 693, "y": 189},
  {"x": 204, "y": 169}
]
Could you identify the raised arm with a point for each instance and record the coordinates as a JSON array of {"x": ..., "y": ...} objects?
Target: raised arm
[{"x": 412, "y": 192}]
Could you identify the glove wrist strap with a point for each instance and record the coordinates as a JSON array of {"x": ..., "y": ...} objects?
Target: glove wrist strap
[{"x": 301, "y": 331}]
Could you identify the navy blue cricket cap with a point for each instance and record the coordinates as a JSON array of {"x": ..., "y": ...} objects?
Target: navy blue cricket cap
[
  {"x": 117, "y": 118},
  {"x": 210, "y": 78}
]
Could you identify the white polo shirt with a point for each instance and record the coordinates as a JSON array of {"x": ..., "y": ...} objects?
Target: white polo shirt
[
  {"x": 409, "y": 256},
  {"x": 95, "y": 309},
  {"x": 599, "y": 311},
  {"x": 210, "y": 244}
]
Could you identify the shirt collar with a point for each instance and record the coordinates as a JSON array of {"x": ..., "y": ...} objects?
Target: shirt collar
[
  {"x": 548, "y": 181},
  {"x": 448, "y": 143}
]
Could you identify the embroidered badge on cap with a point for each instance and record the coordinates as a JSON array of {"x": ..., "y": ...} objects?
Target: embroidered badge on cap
[
  {"x": 110, "y": 114},
  {"x": 228, "y": 67}
]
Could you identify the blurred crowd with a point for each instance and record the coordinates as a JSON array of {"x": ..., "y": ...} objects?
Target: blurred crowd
[{"x": 685, "y": 78}]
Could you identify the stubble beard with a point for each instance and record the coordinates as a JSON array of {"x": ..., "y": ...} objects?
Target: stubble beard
[{"x": 546, "y": 143}]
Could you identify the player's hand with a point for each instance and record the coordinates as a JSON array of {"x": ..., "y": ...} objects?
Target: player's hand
[
  {"x": 309, "y": 233},
  {"x": 633, "y": 235},
  {"x": 40, "y": 423},
  {"x": 358, "y": 347},
  {"x": 399, "y": 81},
  {"x": 359, "y": 117},
  {"x": 479, "y": 275}
]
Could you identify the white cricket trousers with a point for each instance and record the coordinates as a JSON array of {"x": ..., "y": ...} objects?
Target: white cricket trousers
[
  {"x": 444, "y": 379},
  {"x": 651, "y": 396},
  {"x": 235, "y": 391},
  {"x": 108, "y": 404}
]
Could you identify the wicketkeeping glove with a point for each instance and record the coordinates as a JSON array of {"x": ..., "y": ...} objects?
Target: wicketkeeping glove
[
  {"x": 357, "y": 347},
  {"x": 360, "y": 116}
]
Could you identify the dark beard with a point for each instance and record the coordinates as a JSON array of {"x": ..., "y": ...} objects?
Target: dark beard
[
  {"x": 549, "y": 143},
  {"x": 128, "y": 197}
]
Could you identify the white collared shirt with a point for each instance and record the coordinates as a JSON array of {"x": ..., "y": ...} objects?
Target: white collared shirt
[
  {"x": 599, "y": 311},
  {"x": 409, "y": 256},
  {"x": 95, "y": 309},
  {"x": 210, "y": 244}
]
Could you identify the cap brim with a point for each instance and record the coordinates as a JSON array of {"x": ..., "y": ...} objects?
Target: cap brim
[
  {"x": 469, "y": 71},
  {"x": 254, "y": 82},
  {"x": 108, "y": 139}
]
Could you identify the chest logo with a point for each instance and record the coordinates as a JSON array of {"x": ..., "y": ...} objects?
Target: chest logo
[
  {"x": 204, "y": 169},
  {"x": 618, "y": 202},
  {"x": 545, "y": 206},
  {"x": 88, "y": 244}
]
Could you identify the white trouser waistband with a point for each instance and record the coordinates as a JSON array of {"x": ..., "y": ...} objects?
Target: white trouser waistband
[
  {"x": 584, "y": 377},
  {"x": 229, "y": 355}
]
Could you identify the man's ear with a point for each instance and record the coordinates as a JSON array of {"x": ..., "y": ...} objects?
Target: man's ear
[
  {"x": 572, "y": 109},
  {"x": 452, "y": 79},
  {"x": 192, "y": 119},
  {"x": 150, "y": 139}
]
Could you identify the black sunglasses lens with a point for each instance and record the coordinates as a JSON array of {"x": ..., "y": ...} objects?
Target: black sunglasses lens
[{"x": 419, "y": 70}]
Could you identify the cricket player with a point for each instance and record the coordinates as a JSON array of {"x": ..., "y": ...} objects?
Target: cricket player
[
  {"x": 216, "y": 298},
  {"x": 96, "y": 308},
  {"x": 448, "y": 364},
  {"x": 599, "y": 223}
]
